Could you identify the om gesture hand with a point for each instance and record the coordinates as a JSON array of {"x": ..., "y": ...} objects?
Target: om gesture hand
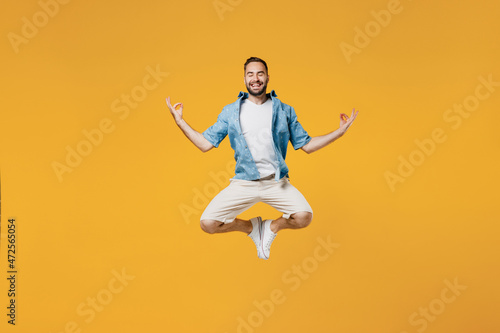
[
  {"x": 346, "y": 122},
  {"x": 176, "y": 113}
]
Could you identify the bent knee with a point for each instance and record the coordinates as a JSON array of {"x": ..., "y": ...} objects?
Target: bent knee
[
  {"x": 302, "y": 219},
  {"x": 209, "y": 226}
]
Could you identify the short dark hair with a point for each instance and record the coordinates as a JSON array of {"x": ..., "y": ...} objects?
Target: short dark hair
[{"x": 254, "y": 59}]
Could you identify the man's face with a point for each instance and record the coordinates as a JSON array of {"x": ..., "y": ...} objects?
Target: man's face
[{"x": 256, "y": 78}]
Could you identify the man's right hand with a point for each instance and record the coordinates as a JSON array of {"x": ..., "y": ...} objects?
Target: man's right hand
[
  {"x": 194, "y": 136},
  {"x": 176, "y": 113}
]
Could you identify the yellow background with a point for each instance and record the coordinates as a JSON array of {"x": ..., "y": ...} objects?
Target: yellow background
[{"x": 121, "y": 207}]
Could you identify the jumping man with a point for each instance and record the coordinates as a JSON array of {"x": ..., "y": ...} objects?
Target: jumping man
[{"x": 259, "y": 126}]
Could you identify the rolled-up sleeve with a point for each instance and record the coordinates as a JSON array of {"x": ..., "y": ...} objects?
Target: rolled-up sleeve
[
  {"x": 298, "y": 135},
  {"x": 218, "y": 131}
]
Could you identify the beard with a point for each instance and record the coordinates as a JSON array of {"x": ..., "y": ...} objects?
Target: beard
[{"x": 262, "y": 89}]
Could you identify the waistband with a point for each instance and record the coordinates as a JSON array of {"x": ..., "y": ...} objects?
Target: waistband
[{"x": 265, "y": 178}]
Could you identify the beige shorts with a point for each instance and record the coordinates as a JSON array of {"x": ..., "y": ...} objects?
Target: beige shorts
[{"x": 240, "y": 195}]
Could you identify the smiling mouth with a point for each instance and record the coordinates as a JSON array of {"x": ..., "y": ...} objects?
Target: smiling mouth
[{"x": 256, "y": 85}]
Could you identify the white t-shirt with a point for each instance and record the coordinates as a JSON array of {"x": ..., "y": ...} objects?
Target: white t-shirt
[{"x": 256, "y": 122}]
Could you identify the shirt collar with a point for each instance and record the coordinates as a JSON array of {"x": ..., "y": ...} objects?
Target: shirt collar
[{"x": 244, "y": 95}]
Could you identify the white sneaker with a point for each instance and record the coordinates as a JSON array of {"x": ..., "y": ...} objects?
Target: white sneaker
[
  {"x": 267, "y": 238},
  {"x": 255, "y": 235}
]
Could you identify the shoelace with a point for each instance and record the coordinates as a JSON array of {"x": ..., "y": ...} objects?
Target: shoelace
[{"x": 270, "y": 240}]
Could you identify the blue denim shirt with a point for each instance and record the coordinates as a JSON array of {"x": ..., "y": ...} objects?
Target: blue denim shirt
[{"x": 285, "y": 127}]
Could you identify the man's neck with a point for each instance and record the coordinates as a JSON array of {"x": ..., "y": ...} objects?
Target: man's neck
[{"x": 261, "y": 99}]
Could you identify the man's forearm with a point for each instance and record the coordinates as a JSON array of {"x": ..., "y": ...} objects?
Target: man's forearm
[
  {"x": 194, "y": 136},
  {"x": 321, "y": 141}
]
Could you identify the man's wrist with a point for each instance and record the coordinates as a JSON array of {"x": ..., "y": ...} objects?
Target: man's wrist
[{"x": 180, "y": 122}]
